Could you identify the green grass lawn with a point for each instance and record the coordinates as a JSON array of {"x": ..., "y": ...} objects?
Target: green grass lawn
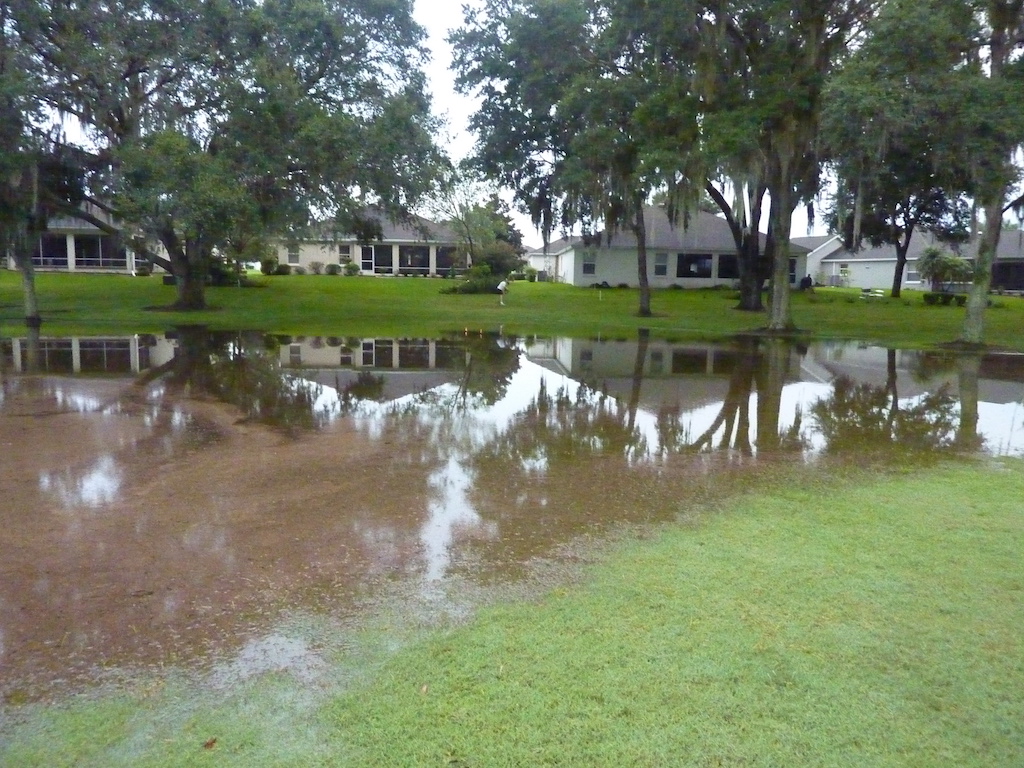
[
  {"x": 415, "y": 307},
  {"x": 855, "y": 620}
]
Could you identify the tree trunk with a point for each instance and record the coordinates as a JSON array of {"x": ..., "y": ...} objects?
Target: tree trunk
[
  {"x": 770, "y": 381},
  {"x": 968, "y": 371},
  {"x": 973, "y": 331},
  {"x": 640, "y": 229},
  {"x": 780, "y": 317},
  {"x": 28, "y": 284},
  {"x": 902, "y": 246},
  {"x": 190, "y": 265},
  {"x": 642, "y": 343},
  {"x": 748, "y": 249}
]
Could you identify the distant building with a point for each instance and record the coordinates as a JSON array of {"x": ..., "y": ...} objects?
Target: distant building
[
  {"x": 829, "y": 263},
  {"x": 74, "y": 245},
  {"x": 416, "y": 246},
  {"x": 701, "y": 254}
]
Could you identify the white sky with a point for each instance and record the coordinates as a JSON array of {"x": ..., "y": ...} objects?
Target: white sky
[{"x": 438, "y": 17}]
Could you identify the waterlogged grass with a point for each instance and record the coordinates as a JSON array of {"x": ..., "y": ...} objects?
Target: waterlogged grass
[
  {"x": 415, "y": 307},
  {"x": 844, "y": 621}
]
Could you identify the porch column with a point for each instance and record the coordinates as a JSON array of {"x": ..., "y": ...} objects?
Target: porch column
[
  {"x": 76, "y": 354},
  {"x": 133, "y": 347},
  {"x": 71, "y": 252},
  {"x": 394, "y": 259},
  {"x": 433, "y": 263}
]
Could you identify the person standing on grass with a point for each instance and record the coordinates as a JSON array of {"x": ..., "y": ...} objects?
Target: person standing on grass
[{"x": 502, "y": 289}]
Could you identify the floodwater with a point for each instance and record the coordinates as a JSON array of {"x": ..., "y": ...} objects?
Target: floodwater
[{"x": 166, "y": 500}]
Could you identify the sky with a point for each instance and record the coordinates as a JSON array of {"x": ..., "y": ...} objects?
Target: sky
[{"x": 437, "y": 17}]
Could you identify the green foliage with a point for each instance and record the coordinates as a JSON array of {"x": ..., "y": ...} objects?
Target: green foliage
[
  {"x": 268, "y": 265},
  {"x": 333, "y": 269},
  {"x": 316, "y": 267},
  {"x": 943, "y": 268},
  {"x": 478, "y": 279},
  {"x": 351, "y": 269}
]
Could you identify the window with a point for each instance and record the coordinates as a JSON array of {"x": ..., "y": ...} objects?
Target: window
[
  {"x": 446, "y": 255},
  {"x": 52, "y": 251},
  {"x": 728, "y": 267},
  {"x": 590, "y": 263},
  {"x": 99, "y": 252},
  {"x": 293, "y": 253},
  {"x": 413, "y": 259},
  {"x": 913, "y": 276},
  {"x": 694, "y": 265},
  {"x": 660, "y": 264},
  {"x": 792, "y": 271},
  {"x": 344, "y": 254},
  {"x": 294, "y": 354},
  {"x": 657, "y": 361}
]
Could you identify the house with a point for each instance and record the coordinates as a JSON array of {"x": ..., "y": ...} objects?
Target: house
[
  {"x": 872, "y": 267},
  {"x": 416, "y": 246},
  {"x": 701, "y": 254},
  {"x": 74, "y": 245}
]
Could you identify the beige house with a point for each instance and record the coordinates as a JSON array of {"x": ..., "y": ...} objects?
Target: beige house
[{"x": 416, "y": 246}]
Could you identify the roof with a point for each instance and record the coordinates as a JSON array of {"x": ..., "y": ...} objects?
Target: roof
[
  {"x": 704, "y": 232},
  {"x": 1011, "y": 247},
  {"x": 410, "y": 229},
  {"x": 813, "y": 243}
]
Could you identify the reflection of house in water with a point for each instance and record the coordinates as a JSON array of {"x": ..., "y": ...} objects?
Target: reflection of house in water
[
  {"x": 686, "y": 375},
  {"x": 399, "y": 367},
  {"x": 1001, "y": 375},
  {"x": 89, "y": 355}
]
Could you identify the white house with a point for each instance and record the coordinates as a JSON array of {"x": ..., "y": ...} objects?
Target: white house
[
  {"x": 829, "y": 263},
  {"x": 416, "y": 246},
  {"x": 74, "y": 245},
  {"x": 701, "y": 254}
]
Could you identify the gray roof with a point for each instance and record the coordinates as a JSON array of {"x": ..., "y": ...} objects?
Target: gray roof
[
  {"x": 413, "y": 229},
  {"x": 704, "y": 232},
  {"x": 1011, "y": 246}
]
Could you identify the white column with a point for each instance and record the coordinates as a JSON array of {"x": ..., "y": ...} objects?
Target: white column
[
  {"x": 76, "y": 354},
  {"x": 71, "y": 253},
  {"x": 433, "y": 263},
  {"x": 394, "y": 260}
]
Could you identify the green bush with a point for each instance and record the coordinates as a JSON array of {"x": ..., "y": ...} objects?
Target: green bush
[
  {"x": 478, "y": 280},
  {"x": 351, "y": 269},
  {"x": 333, "y": 269},
  {"x": 316, "y": 267},
  {"x": 269, "y": 265},
  {"x": 299, "y": 270},
  {"x": 282, "y": 269},
  {"x": 143, "y": 268}
]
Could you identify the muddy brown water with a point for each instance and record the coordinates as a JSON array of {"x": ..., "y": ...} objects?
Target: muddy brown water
[{"x": 165, "y": 500}]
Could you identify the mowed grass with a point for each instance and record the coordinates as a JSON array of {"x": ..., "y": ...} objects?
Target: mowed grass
[
  {"x": 846, "y": 620},
  {"x": 415, "y": 307}
]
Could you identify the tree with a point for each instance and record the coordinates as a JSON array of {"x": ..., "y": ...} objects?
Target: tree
[
  {"x": 582, "y": 135},
  {"x": 787, "y": 51},
  {"x": 993, "y": 119},
  {"x": 943, "y": 269},
  {"x": 220, "y": 123},
  {"x": 900, "y": 169}
]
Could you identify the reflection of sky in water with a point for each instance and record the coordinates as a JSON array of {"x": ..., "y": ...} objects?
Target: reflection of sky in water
[{"x": 94, "y": 487}]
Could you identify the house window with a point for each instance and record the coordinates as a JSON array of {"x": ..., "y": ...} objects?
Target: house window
[
  {"x": 293, "y": 253},
  {"x": 728, "y": 267},
  {"x": 589, "y": 263},
  {"x": 792, "y": 271},
  {"x": 52, "y": 251},
  {"x": 694, "y": 265},
  {"x": 294, "y": 354},
  {"x": 414, "y": 259},
  {"x": 657, "y": 361},
  {"x": 660, "y": 264},
  {"x": 913, "y": 277},
  {"x": 344, "y": 254}
]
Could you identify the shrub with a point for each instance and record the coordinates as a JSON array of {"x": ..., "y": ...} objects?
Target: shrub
[
  {"x": 960, "y": 298},
  {"x": 931, "y": 299},
  {"x": 283, "y": 269},
  {"x": 316, "y": 267},
  {"x": 143, "y": 268},
  {"x": 478, "y": 280},
  {"x": 622, "y": 285},
  {"x": 299, "y": 270},
  {"x": 333, "y": 269},
  {"x": 269, "y": 265},
  {"x": 531, "y": 274},
  {"x": 351, "y": 269}
]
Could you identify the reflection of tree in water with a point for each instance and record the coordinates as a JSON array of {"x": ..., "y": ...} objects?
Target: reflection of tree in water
[
  {"x": 864, "y": 418},
  {"x": 762, "y": 366},
  {"x": 243, "y": 370}
]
